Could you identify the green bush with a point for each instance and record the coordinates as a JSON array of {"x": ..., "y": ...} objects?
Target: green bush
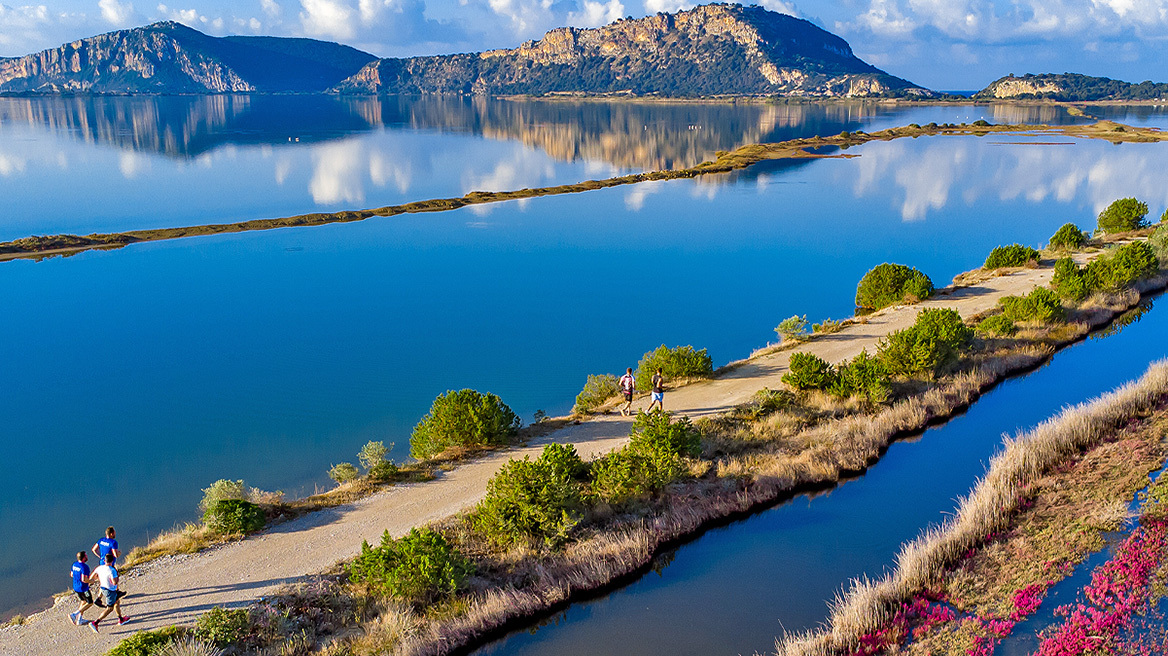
[
  {"x": 562, "y": 458},
  {"x": 223, "y": 627},
  {"x": 146, "y": 643},
  {"x": 597, "y": 390},
  {"x": 863, "y": 375},
  {"x": 1041, "y": 305},
  {"x": 808, "y": 371},
  {"x": 827, "y": 327},
  {"x": 1122, "y": 266},
  {"x": 675, "y": 363},
  {"x": 936, "y": 339},
  {"x": 464, "y": 418},
  {"x": 998, "y": 325},
  {"x": 1123, "y": 215},
  {"x": 220, "y": 490},
  {"x": 343, "y": 473},
  {"x": 529, "y": 500},
  {"x": 234, "y": 516},
  {"x": 372, "y": 454},
  {"x": 792, "y": 328},
  {"x": 421, "y": 567},
  {"x": 889, "y": 284},
  {"x": 1159, "y": 244},
  {"x": 383, "y": 472},
  {"x": 659, "y": 431},
  {"x": 630, "y": 473},
  {"x": 1068, "y": 238},
  {"x": 1070, "y": 281},
  {"x": 1014, "y": 255}
]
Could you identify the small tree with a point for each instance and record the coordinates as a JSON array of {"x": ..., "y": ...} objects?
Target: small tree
[
  {"x": 373, "y": 454},
  {"x": 420, "y": 567},
  {"x": 1068, "y": 238},
  {"x": 220, "y": 490},
  {"x": 888, "y": 284},
  {"x": 537, "y": 500},
  {"x": 675, "y": 363},
  {"x": 1123, "y": 215},
  {"x": 936, "y": 339},
  {"x": 343, "y": 473},
  {"x": 792, "y": 328},
  {"x": 465, "y": 418},
  {"x": 808, "y": 371},
  {"x": 597, "y": 390}
]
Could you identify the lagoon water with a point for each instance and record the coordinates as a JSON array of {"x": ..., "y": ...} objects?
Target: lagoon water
[{"x": 132, "y": 378}]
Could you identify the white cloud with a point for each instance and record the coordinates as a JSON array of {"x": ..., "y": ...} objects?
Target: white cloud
[
  {"x": 116, "y": 13},
  {"x": 597, "y": 13},
  {"x": 654, "y": 6},
  {"x": 271, "y": 8},
  {"x": 327, "y": 18}
]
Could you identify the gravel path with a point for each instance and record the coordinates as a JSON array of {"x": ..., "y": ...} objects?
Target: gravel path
[{"x": 176, "y": 590}]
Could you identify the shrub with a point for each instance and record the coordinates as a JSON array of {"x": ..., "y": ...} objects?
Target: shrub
[
  {"x": 808, "y": 371},
  {"x": 372, "y": 454},
  {"x": 234, "y": 516},
  {"x": 532, "y": 500},
  {"x": 889, "y": 284},
  {"x": 1070, "y": 281},
  {"x": 933, "y": 341},
  {"x": 1123, "y": 215},
  {"x": 982, "y": 123},
  {"x": 419, "y": 568},
  {"x": 564, "y": 459},
  {"x": 827, "y": 327},
  {"x": 630, "y": 473},
  {"x": 383, "y": 472},
  {"x": 658, "y": 431},
  {"x": 188, "y": 646},
  {"x": 1122, "y": 266},
  {"x": 675, "y": 363},
  {"x": 597, "y": 390},
  {"x": 1068, "y": 238},
  {"x": 223, "y": 627},
  {"x": 864, "y": 376},
  {"x": 343, "y": 473},
  {"x": 998, "y": 325},
  {"x": 1014, "y": 255},
  {"x": 1041, "y": 305},
  {"x": 464, "y": 418},
  {"x": 792, "y": 328},
  {"x": 220, "y": 490},
  {"x": 1158, "y": 242},
  {"x": 146, "y": 643}
]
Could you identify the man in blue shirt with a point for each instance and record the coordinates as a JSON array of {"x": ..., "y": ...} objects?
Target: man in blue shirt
[
  {"x": 81, "y": 587},
  {"x": 106, "y": 545}
]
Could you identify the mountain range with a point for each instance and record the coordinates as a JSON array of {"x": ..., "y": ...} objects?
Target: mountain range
[{"x": 710, "y": 50}]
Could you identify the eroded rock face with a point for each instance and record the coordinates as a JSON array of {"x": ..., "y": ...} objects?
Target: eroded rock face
[
  {"x": 1015, "y": 87},
  {"x": 708, "y": 50}
]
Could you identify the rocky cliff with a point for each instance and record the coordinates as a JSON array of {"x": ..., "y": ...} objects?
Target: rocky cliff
[
  {"x": 1071, "y": 87},
  {"x": 172, "y": 58},
  {"x": 709, "y": 50}
]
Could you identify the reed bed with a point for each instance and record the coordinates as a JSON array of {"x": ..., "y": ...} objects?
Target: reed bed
[{"x": 866, "y": 605}]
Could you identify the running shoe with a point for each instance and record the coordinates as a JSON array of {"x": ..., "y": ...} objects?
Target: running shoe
[
  {"x": 123, "y": 620},
  {"x": 93, "y": 625},
  {"x": 73, "y": 618}
]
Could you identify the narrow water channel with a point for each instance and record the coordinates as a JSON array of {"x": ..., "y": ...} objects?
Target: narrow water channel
[{"x": 733, "y": 590}]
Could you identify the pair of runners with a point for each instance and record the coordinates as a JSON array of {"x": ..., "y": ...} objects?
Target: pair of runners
[
  {"x": 628, "y": 385},
  {"x": 105, "y": 575}
]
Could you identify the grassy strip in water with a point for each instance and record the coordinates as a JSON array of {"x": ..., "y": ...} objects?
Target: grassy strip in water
[
  {"x": 776, "y": 447},
  {"x": 740, "y": 158}
]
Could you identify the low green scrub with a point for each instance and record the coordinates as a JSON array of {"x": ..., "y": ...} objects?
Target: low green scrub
[
  {"x": 372, "y": 454},
  {"x": 1070, "y": 281},
  {"x": 1158, "y": 242},
  {"x": 234, "y": 517},
  {"x": 221, "y": 490},
  {"x": 1041, "y": 305},
  {"x": 675, "y": 363},
  {"x": 890, "y": 284},
  {"x": 998, "y": 325},
  {"x": 466, "y": 419},
  {"x": 420, "y": 568},
  {"x": 223, "y": 627},
  {"x": 936, "y": 339},
  {"x": 384, "y": 472},
  {"x": 827, "y": 327},
  {"x": 792, "y": 329},
  {"x": 629, "y": 473},
  {"x": 808, "y": 371},
  {"x": 659, "y": 431},
  {"x": 1123, "y": 215},
  {"x": 1068, "y": 238},
  {"x": 1123, "y": 266},
  {"x": 597, "y": 390},
  {"x": 343, "y": 472},
  {"x": 537, "y": 500},
  {"x": 1014, "y": 255},
  {"x": 146, "y": 643},
  {"x": 864, "y": 376}
]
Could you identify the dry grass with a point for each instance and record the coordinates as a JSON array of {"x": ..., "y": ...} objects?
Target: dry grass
[
  {"x": 189, "y": 539},
  {"x": 867, "y": 605}
]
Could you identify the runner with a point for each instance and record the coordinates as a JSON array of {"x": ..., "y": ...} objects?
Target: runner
[
  {"x": 628, "y": 385},
  {"x": 107, "y": 577},
  {"x": 658, "y": 383},
  {"x": 106, "y": 545},
  {"x": 81, "y": 588}
]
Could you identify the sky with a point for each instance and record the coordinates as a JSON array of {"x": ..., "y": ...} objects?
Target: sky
[{"x": 940, "y": 44}]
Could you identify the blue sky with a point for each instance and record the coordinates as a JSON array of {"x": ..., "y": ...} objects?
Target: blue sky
[{"x": 941, "y": 44}]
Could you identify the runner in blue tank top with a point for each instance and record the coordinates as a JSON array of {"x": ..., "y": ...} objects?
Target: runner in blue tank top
[
  {"x": 81, "y": 587},
  {"x": 106, "y": 545}
]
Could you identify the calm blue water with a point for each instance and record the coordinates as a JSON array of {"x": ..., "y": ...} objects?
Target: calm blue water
[
  {"x": 735, "y": 588},
  {"x": 133, "y": 378}
]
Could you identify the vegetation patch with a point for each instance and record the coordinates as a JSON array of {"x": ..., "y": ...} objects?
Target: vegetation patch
[
  {"x": 1014, "y": 255},
  {"x": 678, "y": 363},
  {"x": 464, "y": 419},
  {"x": 1068, "y": 238},
  {"x": 597, "y": 390},
  {"x": 533, "y": 501},
  {"x": 419, "y": 568},
  {"x": 1123, "y": 215},
  {"x": 892, "y": 284},
  {"x": 999, "y": 325},
  {"x": 936, "y": 339},
  {"x": 1041, "y": 305}
]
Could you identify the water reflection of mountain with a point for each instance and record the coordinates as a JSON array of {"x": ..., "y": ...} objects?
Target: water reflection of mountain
[{"x": 636, "y": 135}]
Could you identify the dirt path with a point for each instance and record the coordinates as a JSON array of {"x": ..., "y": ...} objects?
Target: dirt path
[{"x": 175, "y": 590}]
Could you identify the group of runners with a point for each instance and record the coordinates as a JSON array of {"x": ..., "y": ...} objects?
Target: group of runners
[
  {"x": 105, "y": 575},
  {"x": 628, "y": 386}
]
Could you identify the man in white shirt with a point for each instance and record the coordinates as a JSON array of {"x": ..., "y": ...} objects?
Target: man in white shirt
[{"x": 107, "y": 576}]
